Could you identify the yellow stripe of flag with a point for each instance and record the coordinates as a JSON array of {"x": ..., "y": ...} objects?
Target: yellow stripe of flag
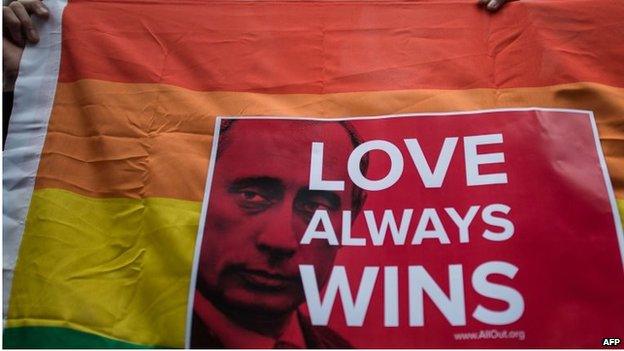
[{"x": 117, "y": 267}]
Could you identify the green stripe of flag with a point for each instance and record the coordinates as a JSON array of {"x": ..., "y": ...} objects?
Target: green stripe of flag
[{"x": 56, "y": 337}]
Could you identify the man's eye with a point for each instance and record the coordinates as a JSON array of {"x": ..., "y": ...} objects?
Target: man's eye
[
  {"x": 251, "y": 200},
  {"x": 314, "y": 206},
  {"x": 307, "y": 208},
  {"x": 251, "y": 196},
  {"x": 308, "y": 202}
]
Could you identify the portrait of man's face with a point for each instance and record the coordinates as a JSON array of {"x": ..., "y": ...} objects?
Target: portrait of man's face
[{"x": 259, "y": 208}]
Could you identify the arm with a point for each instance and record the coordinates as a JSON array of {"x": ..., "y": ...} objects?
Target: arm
[{"x": 18, "y": 31}]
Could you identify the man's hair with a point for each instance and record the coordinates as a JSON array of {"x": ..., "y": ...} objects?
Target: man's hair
[{"x": 358, "y": 195}]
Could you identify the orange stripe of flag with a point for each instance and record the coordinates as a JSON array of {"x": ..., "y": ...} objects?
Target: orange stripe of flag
[{"x": 141, "y": 140}]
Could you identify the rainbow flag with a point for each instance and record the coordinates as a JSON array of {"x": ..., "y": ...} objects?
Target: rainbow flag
[{"x": 109, "y": 145}]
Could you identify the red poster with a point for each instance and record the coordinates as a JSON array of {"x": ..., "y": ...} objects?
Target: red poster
[{"x": 479, "y": 229}]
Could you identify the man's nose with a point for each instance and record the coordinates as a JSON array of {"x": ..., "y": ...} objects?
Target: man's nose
[{"x": 276, "y": 237}]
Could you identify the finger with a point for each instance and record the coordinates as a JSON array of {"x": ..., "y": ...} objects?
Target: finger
[
  {"x": 11, "y": 56},
  {"x": 13, "y": 24},
  {"x": 36, "y": 7},
  {"x": 494, "y": 5},
  {"x": 26, "y": 23}
]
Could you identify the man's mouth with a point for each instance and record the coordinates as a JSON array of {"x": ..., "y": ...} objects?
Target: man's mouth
[{"x": 265, "y": 280}]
